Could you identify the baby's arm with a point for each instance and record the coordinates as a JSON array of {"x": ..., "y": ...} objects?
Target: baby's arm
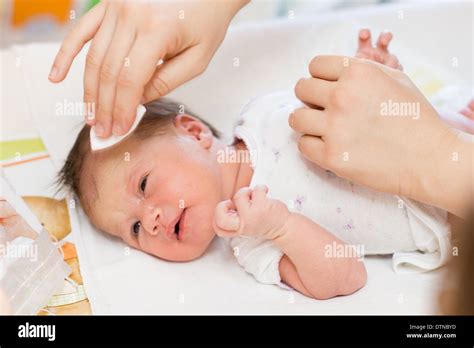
[
  {"x": 311, "y": 263},
  {"x": 307, "y": 266}
]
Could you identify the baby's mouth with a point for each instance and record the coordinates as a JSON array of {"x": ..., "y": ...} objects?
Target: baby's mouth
[
  {"x": 179, "y": 225},
  {"x": 176, "y": 228}
]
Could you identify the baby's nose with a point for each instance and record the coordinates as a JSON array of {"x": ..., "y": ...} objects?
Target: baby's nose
[{"x": 151, "y": 221}]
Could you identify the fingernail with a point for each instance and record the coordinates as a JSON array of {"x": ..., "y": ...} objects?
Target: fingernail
[
  {"x": 53, "y": 73},
  {"x": 99, "y": 129},
  {"x": 117, "y": 130},
  {"x": 90, "y": 117}
]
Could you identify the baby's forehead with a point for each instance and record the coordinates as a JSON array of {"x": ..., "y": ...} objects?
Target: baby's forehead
[
  {"x": 115, "y": 158},
  {"x": 101, "y": 182},
  {"x": 105, "y": 177},
  {"x": 104, "y": 171},
  {"x": 96, "y": 201}
]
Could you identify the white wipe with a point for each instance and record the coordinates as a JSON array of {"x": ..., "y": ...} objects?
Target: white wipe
[{"x": 98, "y": 143}]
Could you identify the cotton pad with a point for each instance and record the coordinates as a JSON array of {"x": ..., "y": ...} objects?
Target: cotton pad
[{"x": 98, "y": 143}]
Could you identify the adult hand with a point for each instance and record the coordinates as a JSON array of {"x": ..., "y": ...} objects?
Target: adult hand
[
  {"x": 376, "y": 128},
  {"x": 129, "y": 40}
]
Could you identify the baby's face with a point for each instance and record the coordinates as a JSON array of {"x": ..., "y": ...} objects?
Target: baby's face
[{"x": 159, "y": 194}]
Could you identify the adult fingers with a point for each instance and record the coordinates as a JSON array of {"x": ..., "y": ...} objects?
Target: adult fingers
[
  {"x": 314, "y": 91},
  {"x": 313, "y": 149},
  {"x": 328, "y": 67},
  {"x": 75, "y": 40},
  {"x": 114, "y": 62},
  {"x": 175, "y": 72},
  {"x": 143, "y": 57},
  {"x": 308, "y": 121},
  {"x": 95, "y": 58}
]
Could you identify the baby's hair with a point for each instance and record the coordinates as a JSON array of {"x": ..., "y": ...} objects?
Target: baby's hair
[{"x": 158, "y": 116}]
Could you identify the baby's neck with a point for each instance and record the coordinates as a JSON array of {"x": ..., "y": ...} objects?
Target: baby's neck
[{"x": 236, "y": 168}]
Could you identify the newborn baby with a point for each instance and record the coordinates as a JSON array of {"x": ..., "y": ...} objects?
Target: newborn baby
[{"x": 173, "y": 184}]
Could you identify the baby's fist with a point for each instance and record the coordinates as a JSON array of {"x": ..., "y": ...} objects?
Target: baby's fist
[{"x": 251, "y": 213}]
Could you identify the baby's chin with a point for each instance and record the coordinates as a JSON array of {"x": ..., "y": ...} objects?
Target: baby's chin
[{"x": 183, "y": 252}]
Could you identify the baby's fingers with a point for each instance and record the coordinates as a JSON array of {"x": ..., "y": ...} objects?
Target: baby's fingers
[
  {"x": 242, "y": 200},
  {"x": 392, "y": 61},
  {"x": 226, "y": 220},
  {"x": 384, "y": 40},
  {"x": 365, "y": 41},
  {"x": 259, "y": 193},
  {"x": 468, "y": 111},
  {"x": 471, "y": 104}
]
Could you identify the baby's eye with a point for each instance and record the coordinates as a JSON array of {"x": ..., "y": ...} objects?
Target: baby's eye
[
  {"x": 143, "y": 184},
  {"x": 136, "y": 228}
]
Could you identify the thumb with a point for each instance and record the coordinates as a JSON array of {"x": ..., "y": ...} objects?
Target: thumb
[
  {"x": 226, "y": 219},
  {"x": 174, "y": 72}
]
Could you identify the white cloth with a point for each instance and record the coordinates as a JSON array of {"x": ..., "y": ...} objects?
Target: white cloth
[
  {"x": 372, "y": 221},
  {"x": 98, "y": 143}
]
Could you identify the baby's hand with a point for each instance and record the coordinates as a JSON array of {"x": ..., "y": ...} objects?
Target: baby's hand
[
  {"x": 468, "y": 111},
  {"x": 380, "y": 53},
  {"x": 251, "y": 213}
]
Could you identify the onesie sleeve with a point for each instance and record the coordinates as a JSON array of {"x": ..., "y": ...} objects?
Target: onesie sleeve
[{"x": 259, "y": 257}]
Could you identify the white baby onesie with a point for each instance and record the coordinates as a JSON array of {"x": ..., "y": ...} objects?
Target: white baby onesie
[{"x": 417, "y": 235}]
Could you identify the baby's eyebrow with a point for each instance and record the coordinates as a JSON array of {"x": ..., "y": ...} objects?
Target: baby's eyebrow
[
  {"x": 132, "y": 173},
  {"x": 132, "y": 184}
]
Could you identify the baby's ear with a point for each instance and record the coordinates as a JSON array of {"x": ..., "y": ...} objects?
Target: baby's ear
[{"x": 189, "y": 125}]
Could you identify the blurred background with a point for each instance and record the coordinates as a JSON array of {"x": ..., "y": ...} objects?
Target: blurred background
[{"x": 23, "y": 21}]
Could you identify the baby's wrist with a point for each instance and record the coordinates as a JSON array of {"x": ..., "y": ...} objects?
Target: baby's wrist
[{"x": 281, "y": 235}]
